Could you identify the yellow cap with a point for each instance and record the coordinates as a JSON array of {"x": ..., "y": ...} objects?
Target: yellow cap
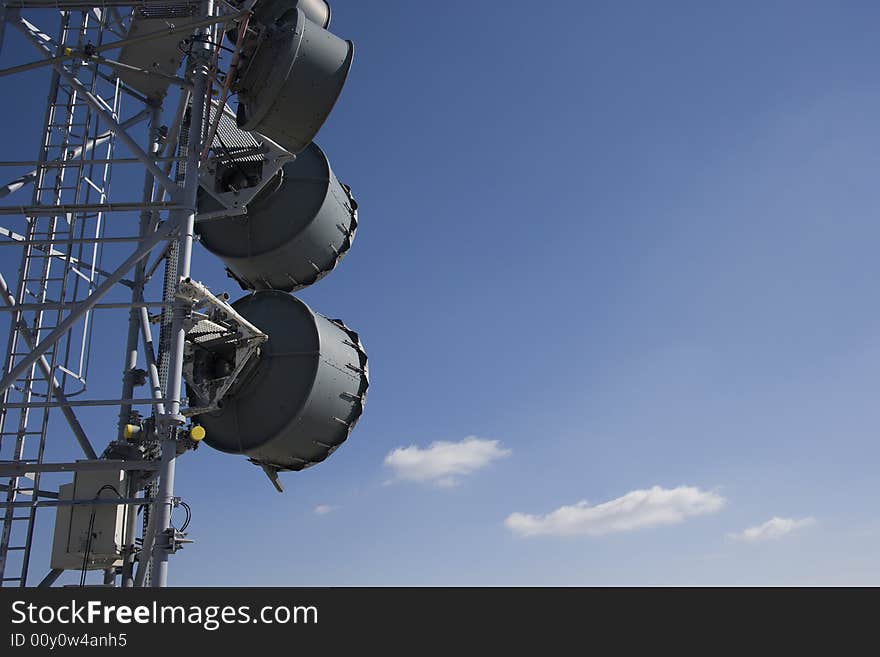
[
  {"x": 198, "y": 432},
  {"x": 130, "y": 431},
  {"x": 68, "y": 51}
]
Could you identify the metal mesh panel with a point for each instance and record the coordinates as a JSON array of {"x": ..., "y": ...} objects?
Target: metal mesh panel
[{"x": 231, "y": 142}]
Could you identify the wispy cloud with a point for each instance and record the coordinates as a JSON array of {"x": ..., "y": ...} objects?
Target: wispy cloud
[
  {"x": 324, "y": 509},
  {"x": 443, "y": 463},
  {"x": 773, "y": 529},
  {"x": 638, "y": 509}
]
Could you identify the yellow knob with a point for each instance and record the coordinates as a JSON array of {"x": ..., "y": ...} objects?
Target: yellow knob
[
  {"x": 197, "y": 433},
  {"x": 130, "y": 431}
]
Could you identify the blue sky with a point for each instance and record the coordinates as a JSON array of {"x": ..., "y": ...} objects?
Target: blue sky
[{"x": 635, "y": 244}]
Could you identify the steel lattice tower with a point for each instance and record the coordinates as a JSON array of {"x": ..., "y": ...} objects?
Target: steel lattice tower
[{"x": 158, "y": 108}]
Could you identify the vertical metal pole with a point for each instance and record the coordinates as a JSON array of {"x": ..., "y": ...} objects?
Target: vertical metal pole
[
  {"x": 152, "y": 368},
  {"x": 129, "y": 536},
  {"x": 134, "y": 329},
  {"x": 170, "y": 422},
  {"x": 134, "y": 318},
  {"x": 131, "y": 350}
]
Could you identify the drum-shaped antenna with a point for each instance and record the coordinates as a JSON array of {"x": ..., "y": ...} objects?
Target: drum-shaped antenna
[
  {"x": 305, "y": 393},
  {"x": 296, "y": 230},
  {"x": 293, "y": 74},
  {"x": 267, "y": 12}
]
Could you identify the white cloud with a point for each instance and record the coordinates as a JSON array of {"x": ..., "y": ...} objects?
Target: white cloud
[
  {"x": 324, "y": 509},
  {"x": 637, "y": 509},
  {"x": 443, "y": 462},
  {"x": 772, "y": 529}
]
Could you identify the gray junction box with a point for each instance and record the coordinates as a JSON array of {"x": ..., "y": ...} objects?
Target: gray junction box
[{"x": 104, "y": 522}]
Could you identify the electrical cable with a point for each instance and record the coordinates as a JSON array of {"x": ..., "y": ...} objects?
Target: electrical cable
[
  {"x": 218, "y": 45},
  {"x": 188, "y": 515},
  {"x": 188, "y": 519},
  {"x": 85, "y": 563}
]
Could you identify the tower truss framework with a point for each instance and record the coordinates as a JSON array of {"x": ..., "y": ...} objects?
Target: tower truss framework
[{"x": 80, "y": 252}]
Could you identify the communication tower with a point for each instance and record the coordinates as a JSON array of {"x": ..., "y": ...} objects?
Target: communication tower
[{"x": 142, "y": 91}]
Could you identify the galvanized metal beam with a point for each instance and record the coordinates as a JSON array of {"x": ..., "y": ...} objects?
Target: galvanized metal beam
[
  {"x": 189, "y": 26},
  {"x": 72, "y": 421},
  {"x": 89, "y": 302},
  {"x": 99, "y": 502},
  {"x": 84, "y": 240},
  {"x": 164, "y": 544},
  {"x": 54, "y": 253},
  {"x": 69, "y": 306},
  {"x": 76, "y": 208},
  {"x": 69, "y": 164},
  {"x": 86, "y": 403},
  {"x": 72, "y": 154},
  {"x": 121, "y": 66},
  {"x": 152, "y": 366},
  {"x": 95, "y": 465},
  {"x": 40, "y": 493},
  {"x": 145, "y": 223},
  {"x": 51, "y": 578},
  {"x": 32, "y": 33}
]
